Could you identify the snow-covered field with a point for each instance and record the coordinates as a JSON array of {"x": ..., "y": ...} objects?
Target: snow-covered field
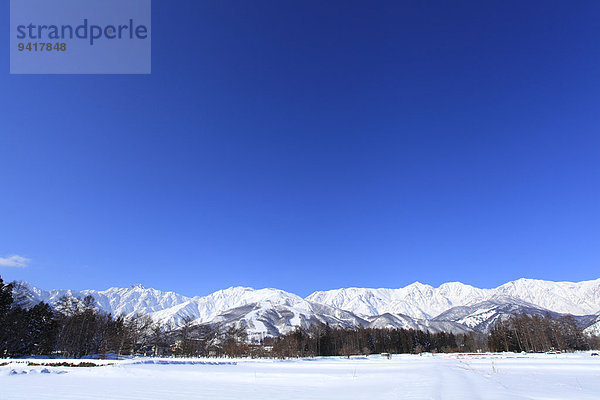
[{"x": 485, "y": 376}]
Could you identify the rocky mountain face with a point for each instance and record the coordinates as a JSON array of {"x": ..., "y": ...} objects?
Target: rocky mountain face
[{"x": 451, "y": 307}]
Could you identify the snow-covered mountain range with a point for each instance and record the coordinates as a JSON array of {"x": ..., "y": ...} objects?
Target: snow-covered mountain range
[
  {"x": 424, "y": 301},
  {"x": 454, "y": 306}
]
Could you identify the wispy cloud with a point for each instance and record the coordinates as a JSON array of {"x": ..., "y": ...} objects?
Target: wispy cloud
[{"x": 14, "y": 261}]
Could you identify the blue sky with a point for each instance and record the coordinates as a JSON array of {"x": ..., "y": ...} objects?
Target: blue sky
[{"x": 314, "y": 145}]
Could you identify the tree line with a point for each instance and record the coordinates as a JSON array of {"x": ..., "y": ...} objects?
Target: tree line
[
  {"x": 516, "y": 334},
  {"x": 76, "y": 328},
  {"x": 538, "y": 334},
  {"x": 323, "y": 340}
]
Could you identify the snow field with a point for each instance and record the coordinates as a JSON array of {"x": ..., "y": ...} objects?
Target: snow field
[{"x": 506, "y": 376}]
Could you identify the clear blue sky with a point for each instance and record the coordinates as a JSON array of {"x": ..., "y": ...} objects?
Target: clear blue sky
[{"x": 312, "y": 145}]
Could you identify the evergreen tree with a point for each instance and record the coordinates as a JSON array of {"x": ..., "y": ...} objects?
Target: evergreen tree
[
  {"x": 41, "y": 330},
  {"x": 6, "y": 298},
  {"x": 6, "y": 301}
]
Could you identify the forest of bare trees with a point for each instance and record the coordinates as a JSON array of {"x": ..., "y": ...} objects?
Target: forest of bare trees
[
  {"x": 322, "y": 340},
  {"x": 538, "y": 334}
]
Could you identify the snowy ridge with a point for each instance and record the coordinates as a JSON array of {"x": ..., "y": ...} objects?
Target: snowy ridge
[
  {"x": 482, "y": 316},
  {"x": 405, "y": 322},
  {"x": 416, "y": 300},
  {"x": 453, "y": 307},
  {"x": 117, "y": 301},
  {"x": 425, "y": 301},
  {"x": 594, "y": 327},
  {"x": 268, "y": 319},
  {"x": 205, "y": 309},
  {"x": 579, "y": 298}
]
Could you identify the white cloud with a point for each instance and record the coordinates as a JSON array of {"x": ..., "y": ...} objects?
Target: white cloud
[{"x": 14, "y": 261}]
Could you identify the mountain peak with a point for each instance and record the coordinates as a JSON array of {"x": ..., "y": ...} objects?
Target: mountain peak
[
  {"x": 418, "y": 285},
  {"x": 415, "y": 305},
  {"x": 138, "y": 286}
]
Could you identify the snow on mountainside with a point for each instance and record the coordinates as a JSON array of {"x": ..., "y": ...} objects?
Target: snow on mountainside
[
  {"x": 168, "y": 308},
  {"x": 482, "y": 316},
  {"x": 452, "y": 306},
  {"x": 117, "y": 301},
  {"x": 594, "y": 327},
  {"x": 405, "y": 322},
  {"x": 563, "y": 297},
  {"x": 424, "y": 301},
  {"x": 268, "y": 319},
  {"x": 263, "y": 312},
  {"x": 205, "y": 309},
  {"x": 416, "y": 300}
]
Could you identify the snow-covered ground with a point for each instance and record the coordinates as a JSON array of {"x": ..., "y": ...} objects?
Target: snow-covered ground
[{"x": 485, "y": 376}]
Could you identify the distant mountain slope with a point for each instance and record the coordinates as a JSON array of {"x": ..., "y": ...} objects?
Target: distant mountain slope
[
  {"x": 263, "y": 312},
  {"x": 424, "y": 301},
  {"x": 577, "y": 298},
  {"x": 405, "y": 322},
  {"x": 416, "y": 300},
  {"x": 453, "y": 307},
  {"x": 593, "y": 328},
  {"x": 117, "y": 301},
  {"x": 205, "y": 309},
  {"x": 268, "y": 319},
  {"x": 482, "y": 316}
]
